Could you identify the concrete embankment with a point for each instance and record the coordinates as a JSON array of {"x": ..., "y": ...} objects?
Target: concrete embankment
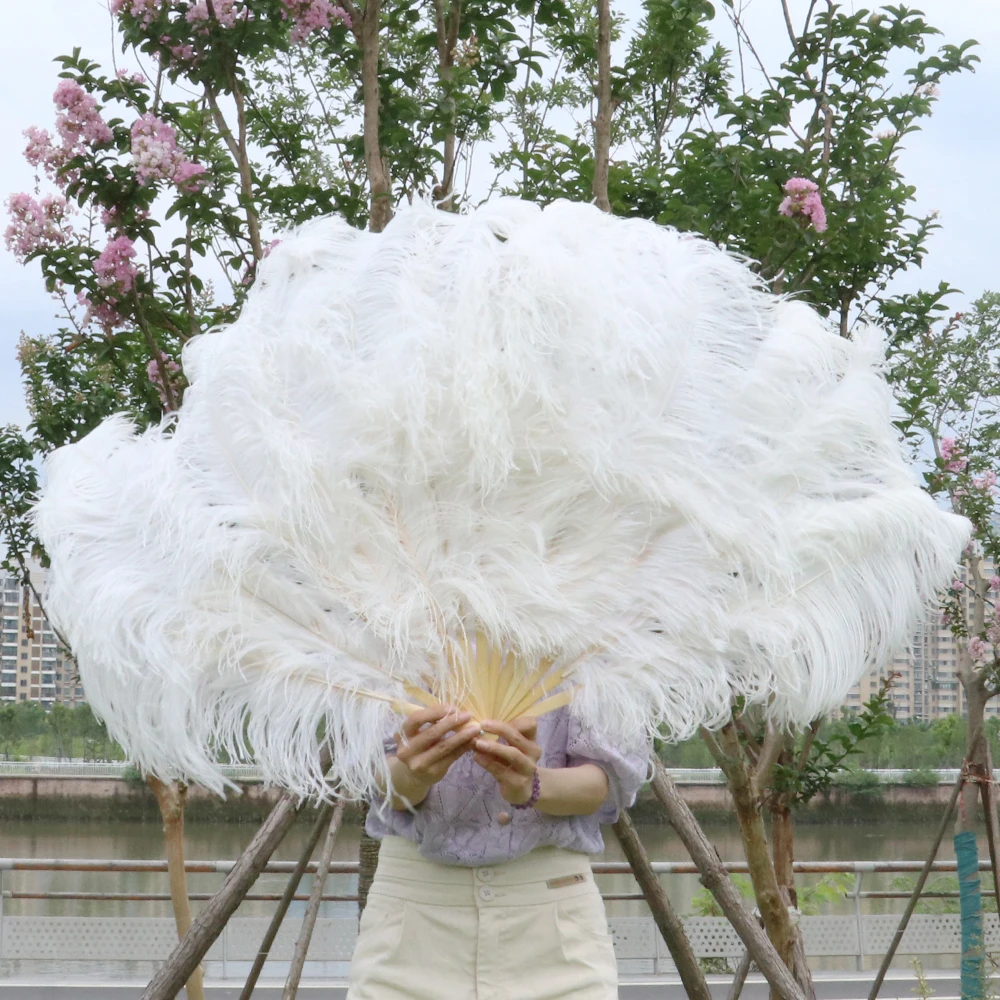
[{"x": 115, "y": 799}]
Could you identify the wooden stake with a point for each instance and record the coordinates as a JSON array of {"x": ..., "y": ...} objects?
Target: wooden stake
[
  {"x": 988, "y": 791},
  {"x": 312, "y": 909},
  {"x": 170, "y": 798},
  {"x": 742, "y": 971},
  {"x": 208, "y": 925},
  {"x": 663, "y": 912},
  {"x": 716, "y": 879},
  {"x": 919, "y": 887},
  {"x": 322, "y": 822}
]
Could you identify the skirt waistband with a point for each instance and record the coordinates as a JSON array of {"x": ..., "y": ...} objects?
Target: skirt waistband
[{"x": 545, "y": 875}]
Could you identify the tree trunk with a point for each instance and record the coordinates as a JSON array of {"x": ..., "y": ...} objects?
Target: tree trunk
[
  {"x": 783, "y": 848},
  {"x": 379, "y": 184},
  {"x": 749, "y": 815},
  {"x": 602, "y": 121},
  {"x": 447, "y": 23},
  {"x": 170, "y": 798}
]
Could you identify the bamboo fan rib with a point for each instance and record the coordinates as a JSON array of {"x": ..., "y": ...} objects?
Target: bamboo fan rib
[{"x": 518, "y": 460}]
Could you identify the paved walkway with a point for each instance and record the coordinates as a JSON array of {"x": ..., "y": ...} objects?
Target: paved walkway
[{"x": 829, "y": 986}]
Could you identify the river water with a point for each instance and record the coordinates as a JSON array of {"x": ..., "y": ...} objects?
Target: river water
[{"x": 884, "y": 841}]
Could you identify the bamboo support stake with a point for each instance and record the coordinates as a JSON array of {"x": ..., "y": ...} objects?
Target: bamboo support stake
[
  {"x": 921, "y": 881},
  {"x": 208, "y": 925},
  {"x": 988, "y": 792},
  {"x": 742, "y": 971},
  {"x": 170, "y": 798},
  {"x": 322, "y": 822},
  {"x": 312, "y": 909},
  {"x": 715, "y": 878},
  {"x": 666, "y": 918}
]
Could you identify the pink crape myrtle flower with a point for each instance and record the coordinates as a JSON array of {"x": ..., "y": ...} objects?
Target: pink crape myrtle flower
[
  {"x": 143, "y": 11},
  {"x": 42, "y": 152},
  {"x": 79, "y": 122},
  {"x": 986, "y": 482},
  {"x": 995, "y": 583},
  {"x": 105, "y": 313},
  {"x": 980, "y": 650},
  {"x": 951, "y": 455},
  {"x": 957, "y": 586},
  {"x": 309, "y": 16},
  {"x": 127, "y": 77},
  {"x": 35, "y": 225},
  {"x": 114, "y": 267},
  {"x": 802, "y": 199},
  {"x": 225, "y": 12},
  {"x": 155, "y": 155},
  {"x": 156, "y": 376},
  {"x": 188, "y": 176}
]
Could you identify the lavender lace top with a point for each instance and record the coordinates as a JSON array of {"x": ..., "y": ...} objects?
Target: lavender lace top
[{"x": 460, "y": 823}]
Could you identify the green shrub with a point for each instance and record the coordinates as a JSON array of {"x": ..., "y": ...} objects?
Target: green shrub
[
  {"x": 921, "y": 777},
  {"x": 860, "y": 784}
]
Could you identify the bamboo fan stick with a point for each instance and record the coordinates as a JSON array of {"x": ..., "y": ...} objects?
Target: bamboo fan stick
[
  {"x": 520, "y": 682},
  {"x": 535, "y": 694},
  {"x": 492, "y": 663},
  {"x": 546, "y": 705}
]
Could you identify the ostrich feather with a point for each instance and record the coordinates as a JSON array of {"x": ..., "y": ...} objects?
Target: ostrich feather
[{"x": 472, "y": 453}]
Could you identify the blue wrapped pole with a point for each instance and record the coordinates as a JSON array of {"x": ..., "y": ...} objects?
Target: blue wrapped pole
[{"x": 971, "y": 903}]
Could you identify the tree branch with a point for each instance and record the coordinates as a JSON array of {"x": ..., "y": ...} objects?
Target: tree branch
[{"x": 774, "y": 741}]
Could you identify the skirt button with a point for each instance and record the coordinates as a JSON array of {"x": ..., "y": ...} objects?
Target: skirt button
[{"x": 503, "y": 818}]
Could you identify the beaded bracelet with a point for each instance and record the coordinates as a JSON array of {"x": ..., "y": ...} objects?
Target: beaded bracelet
[{"x": 536, "y": 787}]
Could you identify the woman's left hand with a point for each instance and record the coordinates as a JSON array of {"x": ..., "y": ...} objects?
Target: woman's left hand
[{"x": 513, "y": 762}]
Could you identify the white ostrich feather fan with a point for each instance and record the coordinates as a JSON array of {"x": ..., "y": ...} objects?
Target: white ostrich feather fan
[{"x": 507, "y": 459}]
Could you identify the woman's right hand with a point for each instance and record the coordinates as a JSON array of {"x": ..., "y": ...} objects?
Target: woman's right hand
[{"x": 429, "y": 742}]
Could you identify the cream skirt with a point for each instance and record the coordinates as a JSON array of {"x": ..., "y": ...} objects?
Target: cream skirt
[{"x": 529, "y": 929}]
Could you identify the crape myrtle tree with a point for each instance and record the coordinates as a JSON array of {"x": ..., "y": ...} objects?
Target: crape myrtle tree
[
  {"x": 947, "y": 369},
  {"x": 161, "y": 185}
]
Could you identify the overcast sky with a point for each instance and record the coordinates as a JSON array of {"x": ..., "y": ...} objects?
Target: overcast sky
[{"x": 953, "y": 162}]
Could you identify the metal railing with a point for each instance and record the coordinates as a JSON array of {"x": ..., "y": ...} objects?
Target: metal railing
[{"x": 53, "y": 767}]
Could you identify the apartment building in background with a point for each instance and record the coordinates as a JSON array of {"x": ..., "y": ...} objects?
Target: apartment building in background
[
  {"x": 927, "y": 687},
  {"x": 33, "y": 667}
]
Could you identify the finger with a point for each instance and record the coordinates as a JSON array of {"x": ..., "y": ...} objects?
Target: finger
[
  {"x": 510, "y": 756},
  {"x": 499, "y": 770},
  {"x": 527, "y": 726},
  {"x": 415, "y": 721},
  {"x": 528, "y": 747},
  {"x": 446, "y": 762},
  {"x": 458, "y": 743},
  {"x": 430, "y": 735}
]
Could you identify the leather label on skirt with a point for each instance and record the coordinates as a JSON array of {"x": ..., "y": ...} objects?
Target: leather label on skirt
[{"x": 560, "y": 883}]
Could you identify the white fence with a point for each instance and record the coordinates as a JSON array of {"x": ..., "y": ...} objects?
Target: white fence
[
  {"x": 639, "y": 948},
  {"x": 88, "y": 946}
]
